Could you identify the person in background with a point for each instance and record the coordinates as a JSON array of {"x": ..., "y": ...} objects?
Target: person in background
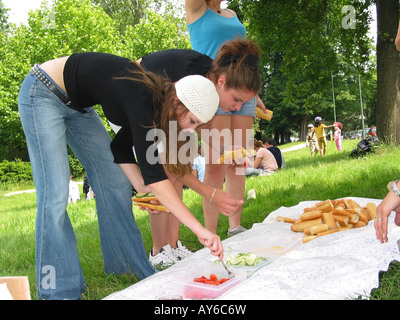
[
  {"x": 270, "y": 145},
  {"x": 87, "y": 189},
  {"x": 210, "y": 27},
  {"x": 337, "y": 136},
  {"x": 199, "y": 166},
  {"x": 264, "y": 162},
  {"x": 312, "y": 141},
  {"x": 319, "y": 129},
  {"x": 74, "y": 193}
]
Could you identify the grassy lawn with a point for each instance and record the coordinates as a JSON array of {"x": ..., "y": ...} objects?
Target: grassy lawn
[{"x": 334, "y": 176}]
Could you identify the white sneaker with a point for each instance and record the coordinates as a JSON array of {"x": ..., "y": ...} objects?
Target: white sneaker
[
  {"x": 181, "y": 252},
  {"x": 164, "y": 258}
]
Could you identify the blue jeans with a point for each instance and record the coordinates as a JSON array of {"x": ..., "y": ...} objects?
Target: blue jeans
[
  {"x": 49, "y": 126},
  {"x": 248, "y": 109}
]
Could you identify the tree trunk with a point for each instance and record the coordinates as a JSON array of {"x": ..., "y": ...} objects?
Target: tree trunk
[
  {"x": 304, "y": 128},
  {"x": 388, "y": 93}
]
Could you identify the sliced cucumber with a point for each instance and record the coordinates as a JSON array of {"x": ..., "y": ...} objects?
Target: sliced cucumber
[{"x": 245, "y": 259}]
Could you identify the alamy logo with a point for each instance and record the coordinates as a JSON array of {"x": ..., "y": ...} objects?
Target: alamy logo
[
  {"x": 49, "y": 277},
  {"x": 220, "y": 140},
  {"x": 349, "y": 21}
]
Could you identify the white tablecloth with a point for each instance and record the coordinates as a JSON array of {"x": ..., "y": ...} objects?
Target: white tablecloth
[{"x": 342, "y": 265}]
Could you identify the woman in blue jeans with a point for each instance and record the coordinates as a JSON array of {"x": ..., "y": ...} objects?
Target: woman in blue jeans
[{"x": 55, "y": 104}]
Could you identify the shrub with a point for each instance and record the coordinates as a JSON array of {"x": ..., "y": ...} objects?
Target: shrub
[{"x": 15, "y": 171}]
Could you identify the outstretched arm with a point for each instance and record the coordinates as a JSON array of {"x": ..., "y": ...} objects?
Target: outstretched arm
[
  {"x": 218, "y": 199},
  {"x": 167, "y": 195}
]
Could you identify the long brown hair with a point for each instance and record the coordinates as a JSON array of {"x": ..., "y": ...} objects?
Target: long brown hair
[
  {"x": 164, "y": 94},
  {"x": 238, "y": 60}
]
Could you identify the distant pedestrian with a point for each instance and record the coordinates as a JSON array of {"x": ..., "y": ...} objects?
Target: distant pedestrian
[
  {"x": 312, "y": 141},
  {"x": 74, "y": 194},
  {"x": 319, "y": 129},
  {"x": 338, "y": 135}
]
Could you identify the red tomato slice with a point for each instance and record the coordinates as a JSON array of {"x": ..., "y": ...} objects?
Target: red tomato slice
[{"x": 213, "y": 277}]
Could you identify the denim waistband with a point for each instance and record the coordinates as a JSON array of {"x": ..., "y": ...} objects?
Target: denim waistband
[{"x": 49, "y": 83}]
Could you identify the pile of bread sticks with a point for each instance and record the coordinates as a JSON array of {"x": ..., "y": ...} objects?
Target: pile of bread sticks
[{"x": 331, "y": 216}]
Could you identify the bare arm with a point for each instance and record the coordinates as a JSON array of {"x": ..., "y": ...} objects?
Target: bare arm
[
  {"x": 167, "y": 195},
  {"x": 134, "y": 175},
  {"x": 257, "y": 163},
  {"x": 261, "y": 104},
  {"x": 194, "y": 10},
  {"x": 221, "y": 200}
]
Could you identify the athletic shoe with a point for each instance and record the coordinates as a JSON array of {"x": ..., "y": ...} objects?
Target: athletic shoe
[
  {"x": 181, "y": 252},
  {"x": 164, "y": 258},
  {"x": 235, "y": 231}
]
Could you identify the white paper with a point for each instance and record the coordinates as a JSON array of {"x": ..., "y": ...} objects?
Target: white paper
[
  {"x": 339, "y": 266},
  {"x": 4, "y": 292}
]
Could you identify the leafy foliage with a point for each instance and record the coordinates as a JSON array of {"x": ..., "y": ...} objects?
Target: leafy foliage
[
  {"x": 66, "y": 27},
  {"x": 304, "y": 43},
  {"x": 15, "y": 171}
]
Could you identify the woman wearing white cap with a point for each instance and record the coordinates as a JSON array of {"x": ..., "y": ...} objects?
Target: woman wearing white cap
[{"x": 55, "y": 104}]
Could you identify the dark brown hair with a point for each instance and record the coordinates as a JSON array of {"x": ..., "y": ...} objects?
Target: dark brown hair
[{"x": 241, "y": 70}]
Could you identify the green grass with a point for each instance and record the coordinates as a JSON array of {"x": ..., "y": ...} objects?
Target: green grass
[{"x": 334, "y": 176}]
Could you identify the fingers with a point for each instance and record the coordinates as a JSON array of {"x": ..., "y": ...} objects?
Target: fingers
[
  {"x": 231, "y": 207},
  {"x": 213, "y": 242},
  {"x": 380, "y": 224}
]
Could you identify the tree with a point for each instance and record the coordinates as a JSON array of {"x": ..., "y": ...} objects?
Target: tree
[
  {"x": 388, "y": 91},
  {"x": 3, "y": 18},
  {"x": 66, "y": 27},
  {"x": 315, "y": 39},
  {"x": 124, "y": 12}
]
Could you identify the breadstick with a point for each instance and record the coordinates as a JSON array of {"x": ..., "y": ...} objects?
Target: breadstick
[
  {"x": 343, "y": 220},
  {"x": 352, "y": 204},
  {"x": 359, "y": 224},
  {"x": 311, "y": 215},
  {"x": 312, "y": 231},
  {"x": 328, "y": 219},
  {"x": 342, "y": 211},
  {"x": 371, "y": 208},
  {"x": 354, "y": 218},
  {"x": 308, "y": 238},
  {"x": 325, "y": 206},
  {"x": 300, "y": 226},
  {"x": 364, "y": 216},
  {"x": 285, "y": 219},
  {"x": 264, "y": 115},
  {"x": 327, "y": 232}
]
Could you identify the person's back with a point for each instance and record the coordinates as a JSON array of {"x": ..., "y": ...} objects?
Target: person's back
[
  {"x": 268, "y": 162},
  {"x": 270, "y": 145}
]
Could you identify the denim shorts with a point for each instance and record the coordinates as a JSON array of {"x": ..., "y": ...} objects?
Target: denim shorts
[{"x": 248, "y": 109}]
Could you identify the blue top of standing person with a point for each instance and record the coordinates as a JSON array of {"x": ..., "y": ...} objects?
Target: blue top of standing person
[{"x": 211, "y": 30}]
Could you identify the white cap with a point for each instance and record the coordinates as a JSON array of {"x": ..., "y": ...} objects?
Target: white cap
[
  {"x": 311, "y": 126},
  {"x": 199, "y": 95}
]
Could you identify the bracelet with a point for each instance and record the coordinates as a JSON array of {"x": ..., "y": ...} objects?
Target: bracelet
[{"x": 215, "y": 189}]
